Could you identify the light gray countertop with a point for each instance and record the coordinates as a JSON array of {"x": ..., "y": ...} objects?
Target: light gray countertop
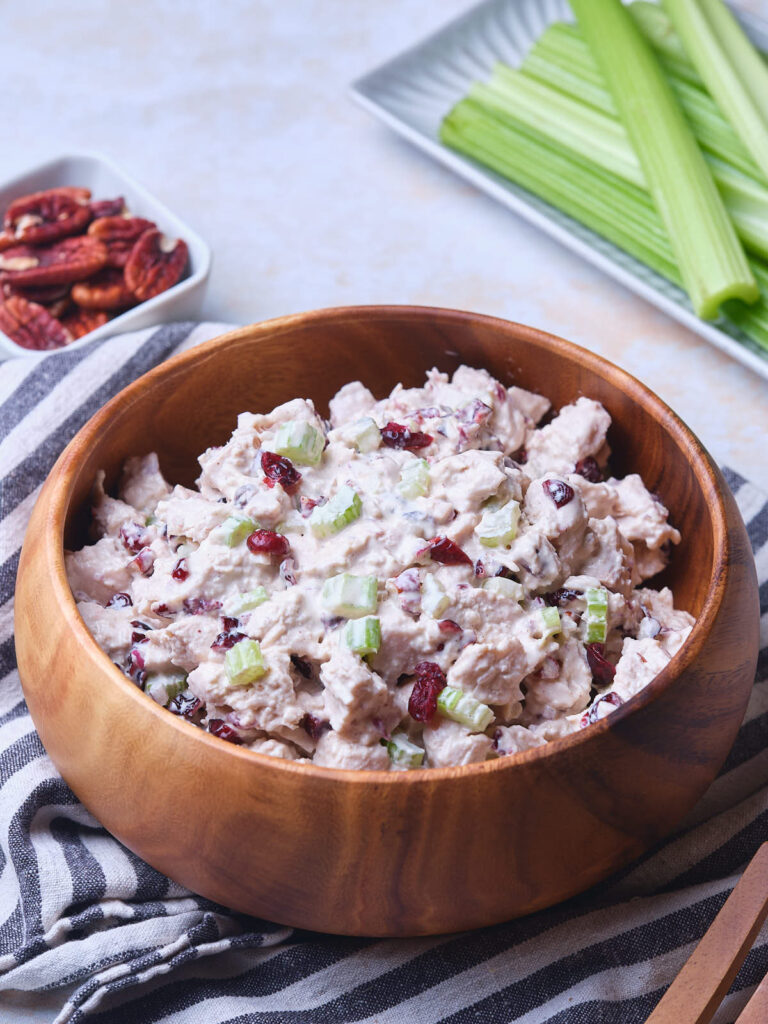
[{"x": 237, "y": 115}]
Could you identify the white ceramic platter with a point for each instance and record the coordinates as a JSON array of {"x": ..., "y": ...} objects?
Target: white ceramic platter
[
  {"x": 107, "y": 181},
  {"x": 415, "y": 90}
]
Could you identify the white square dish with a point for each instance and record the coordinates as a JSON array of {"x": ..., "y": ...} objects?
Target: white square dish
[
  {"x": 414, "y": 91},
  {"x": 107, "y": 181}
]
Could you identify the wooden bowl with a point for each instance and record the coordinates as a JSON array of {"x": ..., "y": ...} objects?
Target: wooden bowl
[{"x": 371, "y": 852}]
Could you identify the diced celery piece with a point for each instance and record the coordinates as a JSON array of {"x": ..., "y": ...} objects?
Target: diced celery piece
[
  {"x": 459, "y": 706},
  {"x": 414, "y": 479},
  {"x": 434, "y": 599},
  {"x": 364, "y": 435},
  {"x": 597, "y": 615},
  {"x": 174, "y": 688},
  {"x": 235, "y": 529},
  {"x": 550, "y": 622},
  {"x": 403, "y": 753},
  {"x": 163, "y": 689},
  {"x": 504, "y": 587},
  {"x": 343, "y": 508},
  {"x": 363, "y": 636},
  {"x": 245, "y": 602},
  {"x": 300, "y": 442},
  {"x": 150, "y": 520},
  {"x": 244, "y": 663},
  {"x": 350, "y": 596},
  {"x": 498, "y": 526},
  {"x": 596, "y": 631}
]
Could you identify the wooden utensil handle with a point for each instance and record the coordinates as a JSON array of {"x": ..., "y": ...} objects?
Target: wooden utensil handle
[
  {"x": 756, "y": 1010},
  {"x": 699, "y": 988}
]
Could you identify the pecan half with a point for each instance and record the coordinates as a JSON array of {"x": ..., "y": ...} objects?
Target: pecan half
[
  {"x": 43, "y": 296},
  {"x": 72, "y": 259},
  {"x": 31, "y": 326},
  {"x": 109, "y": 208},
  {"x": 83, "y": 321},
  {"x": 155, "y": 264},
  {"x": 55, "y": 299},
  {"x": 119, "y": 235},
  {"x": 44, "y": 217},
  {"x": 107, "y": 290}
]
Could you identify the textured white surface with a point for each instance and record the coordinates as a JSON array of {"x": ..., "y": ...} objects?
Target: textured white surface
[{"x": 236, "y": 115}]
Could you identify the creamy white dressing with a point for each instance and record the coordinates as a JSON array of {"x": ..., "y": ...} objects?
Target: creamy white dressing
[{"x": 495, "y": 563}]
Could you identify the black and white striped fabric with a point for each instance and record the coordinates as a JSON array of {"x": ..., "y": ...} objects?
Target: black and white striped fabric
[{"x": 90, "y": 933}]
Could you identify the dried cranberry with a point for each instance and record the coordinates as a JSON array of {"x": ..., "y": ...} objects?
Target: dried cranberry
[
  {"x": 144, "y": 561},
  {"x": 225, "y": 641},
  {"x": 200, "y": 605},
  {"x": 218, "y": 727},
  {"x": 229, "y": 623},
  {"x": 559, "y": 491},
  {"x": 307, "y": 504},
  {"x": 557, "y": 598},
  {"x": 120, "y": 601},
  {"x": 267, "y": 542},
  {"x": 138, "y": 638},
  {"x": 449, "y": 626},
  {"x": 474, "y": 412},
  {"x": 134, "y": 537},
  {"x": 159, "y": 608},
  {"x": 505, "y": 573},
  {"x": 395, "y": 435},
  {"x": 520, "y": 457},
  {"x": 593, "y": 715},
  {"x": 408, "y": 587},
  {"x": 180, "y": 570},
  {"x": 480, "y": 569},
  {"x": 135, "y": 661},
  {"x": 430, "y": 681},
  {"x": 602, "y": 670},
  {"x": 442, "y": 550},
  {"x": 315, "y": 727},
  {"x": 184, "y": 704},
  {"x": 589, "y": 469},
  {"x": 279, "y": 470},
  {"x": 302, "y": 667}
]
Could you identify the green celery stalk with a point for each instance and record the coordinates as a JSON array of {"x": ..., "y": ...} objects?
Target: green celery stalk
[
  {"x": 655, "y": 25},
  {"x": 608, "y": 205},
  {"x": 621, "y": 212},
  {"x": 575, "y": 125},
  {"x": 710, "y": 257},
  {"x": 731, "y": 68},
  {"x": 561, "y": 58}
]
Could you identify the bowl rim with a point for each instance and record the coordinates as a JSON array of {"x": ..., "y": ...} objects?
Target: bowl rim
[{"x": 65, "y": 470}]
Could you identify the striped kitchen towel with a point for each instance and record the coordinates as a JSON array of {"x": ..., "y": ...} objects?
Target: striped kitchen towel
[{"x": 90, "y": 933}]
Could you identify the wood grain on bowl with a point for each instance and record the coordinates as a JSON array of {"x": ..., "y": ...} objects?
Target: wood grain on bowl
[{"x": 368, "y": 852}]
